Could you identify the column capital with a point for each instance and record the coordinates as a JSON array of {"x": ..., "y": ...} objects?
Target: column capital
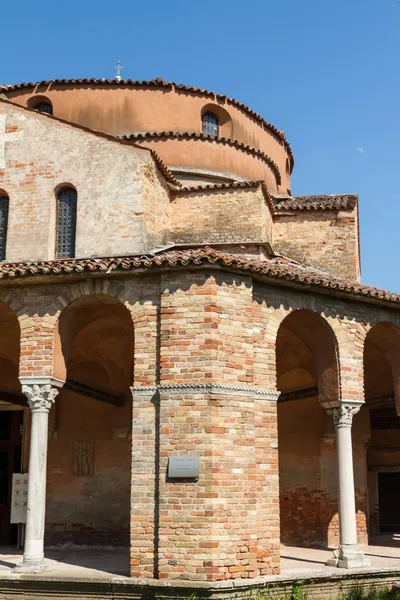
[
  {"x": 41, "y": 392},
  {"x": 343, "y": 412}
]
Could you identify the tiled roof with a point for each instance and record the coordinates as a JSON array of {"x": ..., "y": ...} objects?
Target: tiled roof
[
  {"x": 277, "y": 268},
  {"x": 159, "y": 82},
  {"x": 228, "y": 186},
  {"x": 187, "y": 135},
  {"x": 336, "y": 202}
]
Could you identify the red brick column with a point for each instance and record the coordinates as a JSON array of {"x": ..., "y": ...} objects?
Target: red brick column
[
  {"x": 267, "y": 483},
  {"x": 145, "y": 435},
  {"x": 36, "y": 357},
  {"x": 226, "y": 524},
  {"x": 143, "y": 482}
]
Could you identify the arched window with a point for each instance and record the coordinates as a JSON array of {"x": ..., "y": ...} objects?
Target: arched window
[
  {"x": 42, "y": 104},
  {"x": 210, "y": 123},
  {"x": 66, "y": 222},
  {"x": 3, "y": 224},
  {"x": 44, "y": 107}
]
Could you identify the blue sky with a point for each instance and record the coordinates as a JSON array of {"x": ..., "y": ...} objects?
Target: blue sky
[{"x": 324, "y": 71}]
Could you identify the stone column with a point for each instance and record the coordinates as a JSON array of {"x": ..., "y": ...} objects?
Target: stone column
[
  {"x": 41, "y": 393},
  {"x": 348, "y": 556}
]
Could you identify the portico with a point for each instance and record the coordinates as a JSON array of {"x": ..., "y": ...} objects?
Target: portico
[{"x": 115, "y": 395}]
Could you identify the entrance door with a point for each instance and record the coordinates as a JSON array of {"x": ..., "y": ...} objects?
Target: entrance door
[
  {"x": 389, "y": 510},
  {"x": 10, "y": 462}
]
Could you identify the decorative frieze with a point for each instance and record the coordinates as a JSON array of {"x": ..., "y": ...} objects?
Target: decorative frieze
[{"x": 207, "y": 388}]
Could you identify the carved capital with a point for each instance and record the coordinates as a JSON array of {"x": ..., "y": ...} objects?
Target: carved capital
[
  {"x": 40, "y": 397},
  {"x": 343, "y": 413}
]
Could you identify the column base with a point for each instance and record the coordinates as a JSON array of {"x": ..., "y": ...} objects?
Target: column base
[
  {"x": 31, "y": 567},
  {"x": 348, "y": 557}
]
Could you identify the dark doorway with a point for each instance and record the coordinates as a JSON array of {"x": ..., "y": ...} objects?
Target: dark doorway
[
  {"x": 389, "y": 513},
  {"x": 10, "y": 462}
]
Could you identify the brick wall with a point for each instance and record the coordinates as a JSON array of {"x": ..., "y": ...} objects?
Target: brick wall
[
  {"x": 111, "y": 180},
  {"x": 308, "y": 474},
  {"x": 232, "y": 510},
  {"x": 221, "y": 216},
  {"x": 194, "y": 327},
  {"x": 325, "y": 239},
  {"x": 89, "y": 509}
]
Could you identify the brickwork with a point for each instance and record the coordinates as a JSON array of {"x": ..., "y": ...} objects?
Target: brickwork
[
  {"x": 189, "y": 352},
  {"x": 325, "y": 239},
  {"x": 189, "y": 328},
  {"x": 221, "y": 216},
  {"x": 157, "y": 108},
  {"x": 111, "y": 180},
  {"x": 89, "y": 508}
]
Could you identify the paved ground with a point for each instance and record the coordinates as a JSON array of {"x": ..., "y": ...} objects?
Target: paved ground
[
  {"x": 103, "y": 563},
  {"x": 75, "y": 562},
  {"x": 384, "y": 551}
]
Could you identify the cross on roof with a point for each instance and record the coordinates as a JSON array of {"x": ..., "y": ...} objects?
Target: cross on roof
[
  {"x": 118, "y": 68},
  {"x": 6, "y": 137}
]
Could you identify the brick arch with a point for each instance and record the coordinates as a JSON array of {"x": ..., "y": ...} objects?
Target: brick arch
[
  {"x": 350, "y": 335},
  {"x": 91, "y": 287},
  {"x": 27, "y": 328},
  {"x": 382, "y": 347},
  {"x": 11, "y": 312},
  {"x": 315, "y": 336},
  {"x": 14, "y": 301},
  {"x": 274, "y": 320},
  {"x": 94, "y": 329}
]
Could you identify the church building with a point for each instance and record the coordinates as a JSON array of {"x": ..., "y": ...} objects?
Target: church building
[{"x": 190, "y": 368}]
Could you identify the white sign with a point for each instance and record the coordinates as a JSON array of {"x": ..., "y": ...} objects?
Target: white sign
[
  {"x": 19, "y": 498},
  {"x": 183, "y": 467}
]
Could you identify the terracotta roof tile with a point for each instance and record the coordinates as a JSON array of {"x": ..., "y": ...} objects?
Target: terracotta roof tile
[
  {"x": 335, "y": 202},
  {"x": 212, "y": 138},
  {"x": 228, "y": 186},
  {"x": 159, "y": 82},
  {"x": 275, "y": 269}
]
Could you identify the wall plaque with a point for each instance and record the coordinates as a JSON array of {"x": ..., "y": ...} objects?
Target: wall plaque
[
  {"x": 183, "y": 467},
  {"x": 19, "y": 498},
  {"x": 83, "y": 459}
]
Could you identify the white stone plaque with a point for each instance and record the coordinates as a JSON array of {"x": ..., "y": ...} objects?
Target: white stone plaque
[
  {"x": 19, "y": 498},
  {"x": 183, "y": 467}
]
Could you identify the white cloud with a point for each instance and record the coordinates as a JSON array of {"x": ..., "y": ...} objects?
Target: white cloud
[{"x": 360, "y": 150}]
